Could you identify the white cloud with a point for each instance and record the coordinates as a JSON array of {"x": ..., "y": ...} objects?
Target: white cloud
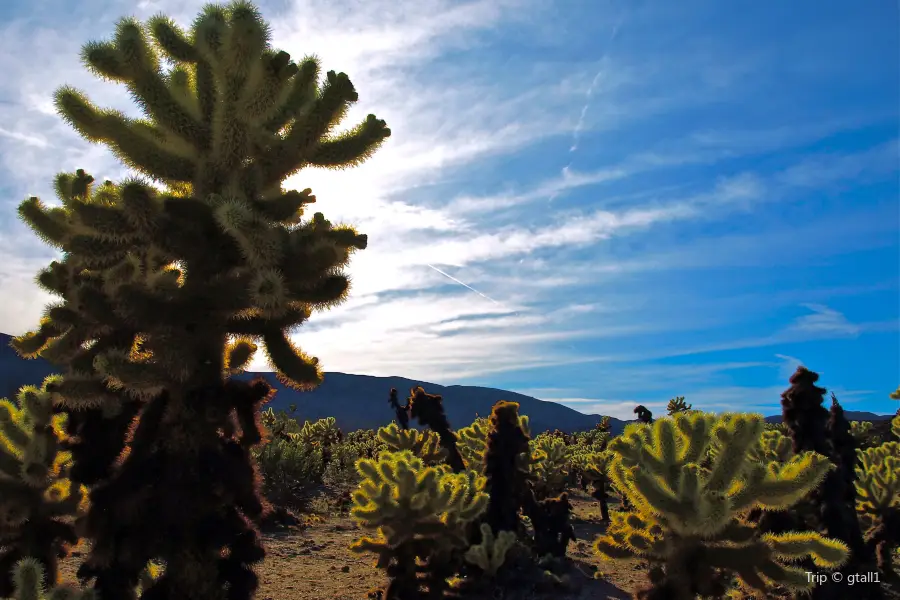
[{"x": 431, "y": 212}]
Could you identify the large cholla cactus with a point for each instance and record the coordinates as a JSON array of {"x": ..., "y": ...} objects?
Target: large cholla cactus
[
  {"x": 686, "y": 518},
  {"x": 878, "y": 490},
  {"x": 37, "y": 500},
  {"x": 421, "y": 515},
  {"x": 167, "y": 291}
]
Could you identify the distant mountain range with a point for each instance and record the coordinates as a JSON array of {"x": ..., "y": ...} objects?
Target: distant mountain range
[{"x": 361, "y": 401}]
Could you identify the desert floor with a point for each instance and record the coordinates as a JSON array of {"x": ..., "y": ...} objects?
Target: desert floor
[{"x": 314, "y": 563}]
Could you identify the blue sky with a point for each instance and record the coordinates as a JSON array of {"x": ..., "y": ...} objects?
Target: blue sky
[{"x": 651, "y": 198}]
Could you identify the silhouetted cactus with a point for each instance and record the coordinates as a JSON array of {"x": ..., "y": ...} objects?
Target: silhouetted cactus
[
  {"x": 506, "y": 484},
  {"x": 401, "y": 411},
  {"x": 550, "y": 519},
  {"x": 428, "y": 409},
  {"x": 812, "y": 428},
  {"x": 643, "y": 414},
  {"x": 37, "y": 500},
  {"x": 168, "y": 290}
]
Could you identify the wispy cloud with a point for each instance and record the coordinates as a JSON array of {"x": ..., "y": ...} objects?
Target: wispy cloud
[{"x": 670, "y": 162}]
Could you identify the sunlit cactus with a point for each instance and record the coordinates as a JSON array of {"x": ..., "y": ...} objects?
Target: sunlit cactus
[
  {"x": 687, "y": 518},
  {"x": 426, "y": 445},
  {"x": 420, "y": 515},
  {"x": 878, "y": 490}
]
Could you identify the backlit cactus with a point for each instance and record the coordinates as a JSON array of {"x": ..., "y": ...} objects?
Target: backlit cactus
[
  {"x": 550, "y": 468},
  {"x": 37, "y": 499},
  {"x": 686, "y": 518},
  {"x": 425, "y": 445},
  {"x": 168, "y": 290},
  {"x": 420, "y": 515}
]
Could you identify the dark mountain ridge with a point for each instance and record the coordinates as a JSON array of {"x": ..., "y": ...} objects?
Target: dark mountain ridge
[{"x": 361, "y": 401}]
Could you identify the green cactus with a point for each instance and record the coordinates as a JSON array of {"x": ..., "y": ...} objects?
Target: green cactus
[
  {"x": 677, "y": 405},
  {"x": 420, "y": 514},
  {"x": 878, "y": 490},
  {"x": 593, "y": 467},
  {"x": 169, "y": 289},
  {"x": 323, "y": 432},
  {"x": 549, "y": 466},
  {"x": 29, "y": 579},
  {"x": 426, "y": 444},
  {"x": 490, "y": 554},
  {"x": 687, "y": 518},
  {"x": 37, "y": 499},
  {"x": 860, "y": 430}
]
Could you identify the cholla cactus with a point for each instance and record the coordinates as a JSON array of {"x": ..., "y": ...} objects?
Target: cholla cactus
[
  {"x": 428, "y": 410},
  {"x": 677, "y": 405},
  {"x": 878, "y": 490},
  {"x": 593, "y": 467},
  {"x": 420, "y": 513},
  {"x": 549, "y": 465},
  {"x": 686, "y": 518},
  {"x": 860, "y": 430},
  {"x": 323, "y": 432},
  {"x": 37, "y": 500},
  {"x": 168, "y": 290},
  {"x": 490, "y": 554},
  {"x": 28, "y": 581},
  {"x": 425, "y": 444},
  {"x": 472, "y": 443}
]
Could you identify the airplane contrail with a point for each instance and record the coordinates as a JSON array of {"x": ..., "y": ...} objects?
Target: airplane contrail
[{"x": 452, "y": 278}]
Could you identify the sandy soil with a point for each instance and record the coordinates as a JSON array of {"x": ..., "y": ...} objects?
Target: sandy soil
[{"x": 314, "y": 563}]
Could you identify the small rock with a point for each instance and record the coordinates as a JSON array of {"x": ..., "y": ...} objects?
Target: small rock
[{"x": 345, "y": 569}]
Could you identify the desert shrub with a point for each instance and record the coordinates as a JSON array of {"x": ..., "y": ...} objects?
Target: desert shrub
[{"x": 291, "y": 471}]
